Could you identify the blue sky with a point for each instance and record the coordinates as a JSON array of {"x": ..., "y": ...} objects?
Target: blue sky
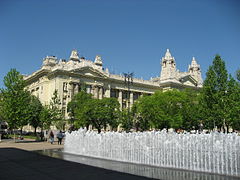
[{"x": 130, "y": 35}]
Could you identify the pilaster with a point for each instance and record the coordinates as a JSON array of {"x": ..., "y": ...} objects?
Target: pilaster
[
  {"x": 131, "y": 99},
  {"x": 120, "y": 98},
  {"x": 100, "y": 92},
  {"x": 96, "y": 95},
  {"x": 76, "y": 89},
  {"x": 108, "y": 91}
]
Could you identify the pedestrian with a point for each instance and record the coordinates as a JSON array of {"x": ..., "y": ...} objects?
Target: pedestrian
[
  {"x": 60, "y": 137},
  {"x": 51, "y": 137}
]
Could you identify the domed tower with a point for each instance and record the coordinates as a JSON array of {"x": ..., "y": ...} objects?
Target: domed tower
[
  {"x": 168, "y": 70},
  {"x": 195, "y": 71}
]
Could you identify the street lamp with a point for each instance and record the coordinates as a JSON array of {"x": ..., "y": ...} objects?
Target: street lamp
[{"x": 128, "y": 80}]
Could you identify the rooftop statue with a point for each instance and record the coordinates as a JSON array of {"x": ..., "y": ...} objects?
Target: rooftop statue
[
  {"x": 74, "y": 55},
  {"x": 98, "y": 60}
]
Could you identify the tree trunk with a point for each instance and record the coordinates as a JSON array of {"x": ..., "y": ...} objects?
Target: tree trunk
[
  {"x": 41, "y": 133},
  {"x": 35, "y": 131},
  {"x": 227, "y": 129},
  {"x": 224, "y": 129},
  {"x": 14, "y": 136},
  {"x": 99, "y": 130},
  {"x": 137, "y": 126}
]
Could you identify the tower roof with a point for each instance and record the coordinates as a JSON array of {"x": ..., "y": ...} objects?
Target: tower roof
[
  {"x": 168, "y": 54},
  {"x": 194, "y": 63}
]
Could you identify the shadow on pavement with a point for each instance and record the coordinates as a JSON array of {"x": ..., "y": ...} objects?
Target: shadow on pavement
[{"x": 20, "y": 164}]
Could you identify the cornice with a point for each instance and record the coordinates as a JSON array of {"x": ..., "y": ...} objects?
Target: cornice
[{"x": 36, "y": 75}]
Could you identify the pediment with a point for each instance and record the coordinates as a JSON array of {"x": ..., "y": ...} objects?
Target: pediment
[
  {"x": 89, "y": 71},
  {"x": 188, "y": 80}
]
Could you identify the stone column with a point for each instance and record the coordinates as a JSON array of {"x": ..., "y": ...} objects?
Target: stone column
[
  {"x": 92, "y": 90},
  {"x": 108, "y": 91},
  {"x": 76, "y": 88},
  {"x": 89, "y": 89},
  {"x": 96, "y": 92},
  {"x": 120, "y": 98},
  {"x": 131, "y": 99},
  {"x": 100, "y": 92}
]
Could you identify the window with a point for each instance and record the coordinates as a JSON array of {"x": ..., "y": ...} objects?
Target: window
[
  {"x": 114, "y": 93},
  {"x": 64, "y": 86}
]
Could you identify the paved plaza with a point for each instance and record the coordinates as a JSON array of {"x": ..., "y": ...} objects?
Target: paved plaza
[
  {"x": 28, "y": 144},
  {"x": 18, "y": 161}
]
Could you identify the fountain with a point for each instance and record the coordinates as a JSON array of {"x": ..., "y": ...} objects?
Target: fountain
[{"x": 214, "y": 153}]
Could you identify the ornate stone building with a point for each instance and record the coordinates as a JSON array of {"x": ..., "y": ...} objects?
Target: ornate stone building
[{"x": 67, "y": 77}]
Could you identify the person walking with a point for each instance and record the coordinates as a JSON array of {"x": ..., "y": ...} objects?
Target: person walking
[
  {"x": 51, "y": 137},
  {"x": 60, "y": 137}
]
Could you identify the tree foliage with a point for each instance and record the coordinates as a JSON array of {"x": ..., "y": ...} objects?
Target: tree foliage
[
  {"x": 125, "y": 119},
  {"x": 57, "y": 117},
  {"x": 15, "y": 100},
  {"x": 214, "y": 95},
  {"x": 102, "y": 112},
  {"x": 85, "y": 111},
  {"x": 51, "y": 114},
  {"x": 45, "y": 117},
  {"x": 191, "y": 112},
  {"x": 238, "y": 74},
  {"x": 35, "y": 112},
  {"x": 220, "y": 98},
  {"x": 77, "y": 107},
  {"x": 233, "y": 104},
  {"x": 161, "y": 110}
]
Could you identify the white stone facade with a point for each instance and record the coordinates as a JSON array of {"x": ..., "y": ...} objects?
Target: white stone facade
[{"x": 67, "y": 77}]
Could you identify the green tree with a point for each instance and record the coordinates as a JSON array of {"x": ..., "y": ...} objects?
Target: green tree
[
  {"x": 214, "y": 94},
  {"x": 51, "y": 114},
  {"x": 126, "y": 120},
  {"x": 233, "y": 105},
  {"x": 191, "y": 110},
  {"x": 102, "y": 112},
  {"x": 111, "y": 111},
  {"x": 142, "y": 114},
  {"x": 172, "y": 105},
  {"x": 15, "y": 100},
  {"x": 1, "y": 108},
  {"x": 57, "y": 118},
  {"x": 161, "y": 110},
  {"x": 45, "y": 118},
  {"x": 35, "y": 111},
  {"x": 76, "y": 109},
  {"x": 238, "y": 74}
]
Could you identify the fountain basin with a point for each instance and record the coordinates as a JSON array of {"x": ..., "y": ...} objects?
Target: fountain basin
[{"x": 212, "y": 153}]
